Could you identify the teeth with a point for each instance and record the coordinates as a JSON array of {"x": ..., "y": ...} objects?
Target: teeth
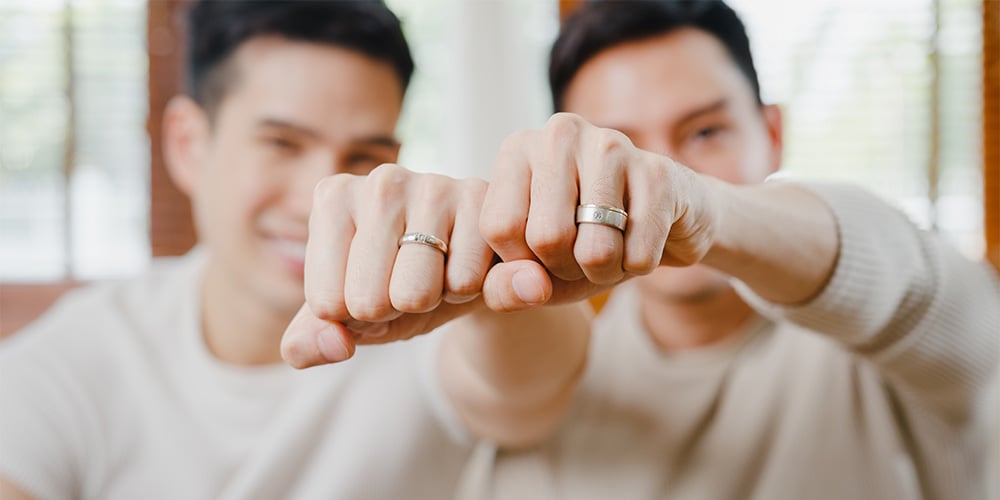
[{"x": 292, "y": 249}]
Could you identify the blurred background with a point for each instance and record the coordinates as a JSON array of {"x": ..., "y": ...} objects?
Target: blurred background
[{"x": 901, "y": 96}]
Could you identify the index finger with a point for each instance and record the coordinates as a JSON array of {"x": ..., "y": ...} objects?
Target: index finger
[{"x": 504, "y": 216}]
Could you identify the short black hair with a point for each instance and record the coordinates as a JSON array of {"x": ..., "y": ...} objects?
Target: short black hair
[
  {"x": 599, "y": 25},
  {"x": 216, "y": 29}
]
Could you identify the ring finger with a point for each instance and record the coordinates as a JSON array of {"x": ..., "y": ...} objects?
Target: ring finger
[
  {"x": 599, "y": 247},
  {"x": 417, "y": 280}
]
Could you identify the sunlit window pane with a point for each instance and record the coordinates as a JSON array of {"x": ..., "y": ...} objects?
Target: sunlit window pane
[
  {"x": 80, "y": 64},
  {"x": 855, "y": 82}
]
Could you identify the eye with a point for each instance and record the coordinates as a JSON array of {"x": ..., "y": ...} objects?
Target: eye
[
  {"x": 281, "y": 144},
  {"x": 356, "y": 159},
  {"x": 362, "y": 163},
  {"x": 706, "y": 132}
]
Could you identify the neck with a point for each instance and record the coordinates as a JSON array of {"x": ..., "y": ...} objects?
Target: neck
[
  {"x": 236, "y": 328},
  {"x": 679, "y": 324}
]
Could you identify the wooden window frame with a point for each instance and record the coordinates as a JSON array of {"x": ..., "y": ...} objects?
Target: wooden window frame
[
  {"x": 991, "y": 130},
  {"x": 171, "y": 228}
]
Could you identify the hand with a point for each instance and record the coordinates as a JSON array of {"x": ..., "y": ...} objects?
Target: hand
[
  {"x": 362, "y": 286},
  {"x": 540, "y": 178}
]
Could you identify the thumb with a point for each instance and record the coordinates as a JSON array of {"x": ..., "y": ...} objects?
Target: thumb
[
  {"x": 516, "y": 285},
  {"x": 310, "y": 341}
]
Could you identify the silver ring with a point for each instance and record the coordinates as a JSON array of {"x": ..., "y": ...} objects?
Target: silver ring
[
  {"x": 602, "y": 214},
  {"x": 424, "y": 239}
]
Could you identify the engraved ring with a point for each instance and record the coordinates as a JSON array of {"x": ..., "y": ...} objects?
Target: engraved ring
[
  {"x": 602, "y": 214},
  {"x": 424, "y": 239}
]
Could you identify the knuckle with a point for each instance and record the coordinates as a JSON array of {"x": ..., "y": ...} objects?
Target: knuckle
[
  {"x": 562, "y": 128},
  {"x": 548, "y": 238},
  {"x": 434, "y": 188},
  {"x": 414, "y": 301},
  {"x": 499, "y": 229},
  {"x": 640, "y": 264},
  {"x": 331, "y": 189},
  {"x": 464, "y": 277},
  {"x": 387, "y": 181},
  {"x": 597, "y": 256},
  {"x": 465, "y": 286},
  {"x": 644, "y": 251},
  {"x": 328, "y": 308},
  {"x": 611, "y": 143},
  {"x": 563, "y": 118},
  {"x": 515, "y": 140},
  {"x": 370, "y": 308}
]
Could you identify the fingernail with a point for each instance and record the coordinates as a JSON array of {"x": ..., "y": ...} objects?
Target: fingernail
[
  {"x": 527, "y": 288},
  {"x": 331, "y": 345}
]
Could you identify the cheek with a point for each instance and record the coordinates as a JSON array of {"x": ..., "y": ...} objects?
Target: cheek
[{"x": 233, "y": 197}]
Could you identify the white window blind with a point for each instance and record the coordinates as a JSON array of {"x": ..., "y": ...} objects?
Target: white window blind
[
  {"x": 856, "y": 80},
  {"x": 74, "y": 155}
]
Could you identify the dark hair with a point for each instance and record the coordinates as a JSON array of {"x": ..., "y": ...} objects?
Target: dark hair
[
  {"x": 216, "y": 28},
  {"x": 599, "y": 25}
]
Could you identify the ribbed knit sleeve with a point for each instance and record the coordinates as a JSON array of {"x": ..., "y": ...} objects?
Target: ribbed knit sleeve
[{"x": 928, "y": 318}]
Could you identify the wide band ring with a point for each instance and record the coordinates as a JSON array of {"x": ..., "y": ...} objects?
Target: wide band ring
[
  {"x": 602, "y": 214},
  {"x": 427, "y": 239}
]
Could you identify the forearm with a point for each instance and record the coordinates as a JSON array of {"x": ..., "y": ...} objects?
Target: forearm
[
  {"x": 926, "y": 317},
  {"x": 510, "y": 377},
  {"x": 779, "y": 239}
]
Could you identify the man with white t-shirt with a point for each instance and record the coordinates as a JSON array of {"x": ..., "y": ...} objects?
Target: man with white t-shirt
[{"x": 171, "y": 385}]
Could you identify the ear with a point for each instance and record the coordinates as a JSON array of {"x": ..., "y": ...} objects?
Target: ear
[
  {"x": 186, "y": 132},
  {"x": 773, "y": 123}
]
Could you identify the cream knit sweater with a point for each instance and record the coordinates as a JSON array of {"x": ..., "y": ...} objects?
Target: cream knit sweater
[{"x": 877, "y": 389}]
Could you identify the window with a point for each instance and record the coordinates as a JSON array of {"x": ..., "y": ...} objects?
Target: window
[
  {"x": 481, "y": 75},
  {"x": 74, "y": 158},
  {"x": 885, "y": 93},
  {"x": 859, "y": 83}
]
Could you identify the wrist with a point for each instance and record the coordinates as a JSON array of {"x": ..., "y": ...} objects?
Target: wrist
[
  {"x": 723, "y": 201},
  {"x": 698, "y": 225}
]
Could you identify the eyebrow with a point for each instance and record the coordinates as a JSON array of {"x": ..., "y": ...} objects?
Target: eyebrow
[
  {"x": 377, "y": 140},
  {"x": 704, "y": 110},
  {"x": 690, "y": 115}
]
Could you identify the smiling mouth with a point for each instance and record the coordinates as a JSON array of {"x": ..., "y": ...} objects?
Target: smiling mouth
[
  {"x": 295, "y": 250},
  {"x": 292, "y": 253}
]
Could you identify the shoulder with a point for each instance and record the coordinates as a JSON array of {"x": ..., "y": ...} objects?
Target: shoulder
[
  {"x": 82, "y": 335},
  {"x": 88, "y": 309},
  {"x": 72, "y": 367}
]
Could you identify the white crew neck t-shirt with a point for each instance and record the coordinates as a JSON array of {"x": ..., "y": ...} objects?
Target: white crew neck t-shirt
[{"x": 114, "y": 395}]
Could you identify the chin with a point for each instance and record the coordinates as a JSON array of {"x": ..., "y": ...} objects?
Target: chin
[
  {"x": 684, "y": 284},
  {"x": 284, "y": 297},
  {"x": 278, "y": 286}
]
